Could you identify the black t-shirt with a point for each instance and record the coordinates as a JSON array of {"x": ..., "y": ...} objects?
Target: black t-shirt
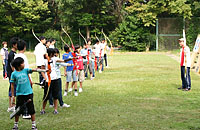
[{"x": 11, "y": 56}]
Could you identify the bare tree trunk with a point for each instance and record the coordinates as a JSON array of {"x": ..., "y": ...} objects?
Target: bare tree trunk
[
  {"x": 118, "y": 9},
  {"x": 87, "y": 32}
]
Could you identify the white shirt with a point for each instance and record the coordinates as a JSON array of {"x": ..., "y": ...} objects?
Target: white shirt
[
  {"x": 187, "y": 58},
  {"x": 51, "y": 46},
  {"x": 40, "y": 51},
  {"x": 102, "y": 47},
  {"x": 53, "y": 73},
  {"x": 97, "y": 50},
  {"x": 3, "y": 52},
  {"x": 26, "y": 64},
  {"x": 55, "y": 68},
  {"x": 23, "y": 56}
]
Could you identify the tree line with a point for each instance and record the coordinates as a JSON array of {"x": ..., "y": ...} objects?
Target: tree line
[{"x": 130, "y": 24}]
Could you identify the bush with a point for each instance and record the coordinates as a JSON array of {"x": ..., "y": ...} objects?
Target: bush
[{"x": 132, "y": 35}]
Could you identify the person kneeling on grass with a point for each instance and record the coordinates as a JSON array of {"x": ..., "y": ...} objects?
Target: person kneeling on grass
[{"x": 24, "y": 91}]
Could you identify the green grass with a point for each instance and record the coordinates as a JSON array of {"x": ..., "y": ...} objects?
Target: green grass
[{"x": 138, "y": 92}]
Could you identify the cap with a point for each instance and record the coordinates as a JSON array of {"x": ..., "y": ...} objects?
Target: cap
[{"x": 181, "y": 39}]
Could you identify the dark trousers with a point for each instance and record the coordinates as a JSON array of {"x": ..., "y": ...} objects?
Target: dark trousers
[
  {"x": 4, "y": 68},
  {"x": 105, "y": 58},
  {"x": 60, "y": 94},
  {"x": 186, "y": 81}
]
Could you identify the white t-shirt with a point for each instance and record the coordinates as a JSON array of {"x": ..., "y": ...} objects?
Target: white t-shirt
[
  {"x": 58, "y": 65},
  {"x": 55, "y": 68},
  {"x": 102, "y": 47},
  {"x": 51, "y": 46},
  {"x": 53, "y": 73},
  {"x": 187, "y": 58},
  {"x": 40, "y": 51},
  {"x": 23, "y": 56},
  {"x": 26, "y": 64},
  {"x": 3, "y": 52},
  {"x": 97, "y": 50}
]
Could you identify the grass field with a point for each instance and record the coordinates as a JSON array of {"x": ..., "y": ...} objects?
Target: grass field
[{"x": 138, "y": 92}]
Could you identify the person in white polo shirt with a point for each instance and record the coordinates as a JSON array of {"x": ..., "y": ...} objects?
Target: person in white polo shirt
[{"x": 40, "y": 51}]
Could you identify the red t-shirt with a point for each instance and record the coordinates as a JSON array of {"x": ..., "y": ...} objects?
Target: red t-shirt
[{"x": 80, "y": 63}]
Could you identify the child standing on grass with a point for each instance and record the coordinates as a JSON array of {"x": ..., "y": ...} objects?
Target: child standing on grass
[
  {"x": 54, "y": 86},
  {"x": 24, "y": 90},
  {"x": 11, "y": 55},
  {"x": 58, "y": 65},
  {"x": 80, "y": 67},
  {"x": 185, "y": 61},
  {"x": 70, "y": 72},
  {"x": 21, "y": 46},
  {"x": 4, "y": 55}
]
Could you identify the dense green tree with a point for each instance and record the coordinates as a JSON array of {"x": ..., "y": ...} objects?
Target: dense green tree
[{"x": 17, "y": 18}]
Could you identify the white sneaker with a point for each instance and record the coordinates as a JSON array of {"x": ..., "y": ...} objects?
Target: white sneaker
[
  {"x": 11, "y": 109},
  {"x": 70, "y": 90},
  {"x": 107, "y": 66},
  {"x": 91, "y": 78},
  {"x": 100, "y": 71},
  {"x": 26, "y": 116},
  {"x": 50, "y": 106},
  {"x": 80, "y": 90},
  {"x": 65, "y": 93},
  {"x": 76, "y": 94},
  {"x": 65, "y": 105}
]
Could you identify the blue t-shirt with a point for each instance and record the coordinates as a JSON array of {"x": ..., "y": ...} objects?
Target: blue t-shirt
[
  {"x": 21, "y": 79},
  {"x": 67, "y": 56}
]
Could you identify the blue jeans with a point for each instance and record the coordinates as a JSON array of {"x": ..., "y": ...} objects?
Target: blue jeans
[
  {"x": 5, "y": 68},
  {"x": 186, "y": 81},
  {"x": 60, "y": 94}
]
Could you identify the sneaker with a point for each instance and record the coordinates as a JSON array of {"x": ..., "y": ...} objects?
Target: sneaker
[
  {"x": 11, "y": 109},
  {"x": 5, "y": 78},
  {"x": 70, "y": 90},
  {"x": 65, "y": 93},
  {"x": 80, "y": 90},
  {"x": 55, "y": 112},
  {"x": 65, "y": 105},
  {"x": 186, "y": 89},
  {"x": 91, "y": 78},
  {"x": 100, "y": 71},
  {"x": 15, "y": 128},
  {"x": 76, "y": 94},
  {"x": 42, "y": 112},
  {"x": 34, "y": 128},
  {"x": 27, "y": 116},
  {"x": 107, "y": 67},
  {"x": 50, "y": 106}
]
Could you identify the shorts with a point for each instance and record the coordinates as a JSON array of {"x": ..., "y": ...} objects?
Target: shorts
[
  {"x": 70, "y": 75},
  {"x": 54, "y": 90},
  {"x": 10, "y": 92},
  {"x": 81, "y": 76},
  {"x": 88, "y": 67},
  {"x": 21, "y": 99},
  {"x": 101, "y": 60}
]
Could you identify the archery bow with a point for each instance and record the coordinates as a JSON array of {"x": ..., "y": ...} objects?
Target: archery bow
[
  {"x": 100, "y": 49},
  {"x": 88, "y": 52},
  {"x": 73, "y": 54},
  {"x": 111, "y": 52},
  {"x": 64, "y": 41},
  {"x": 82, "y": 36}
]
